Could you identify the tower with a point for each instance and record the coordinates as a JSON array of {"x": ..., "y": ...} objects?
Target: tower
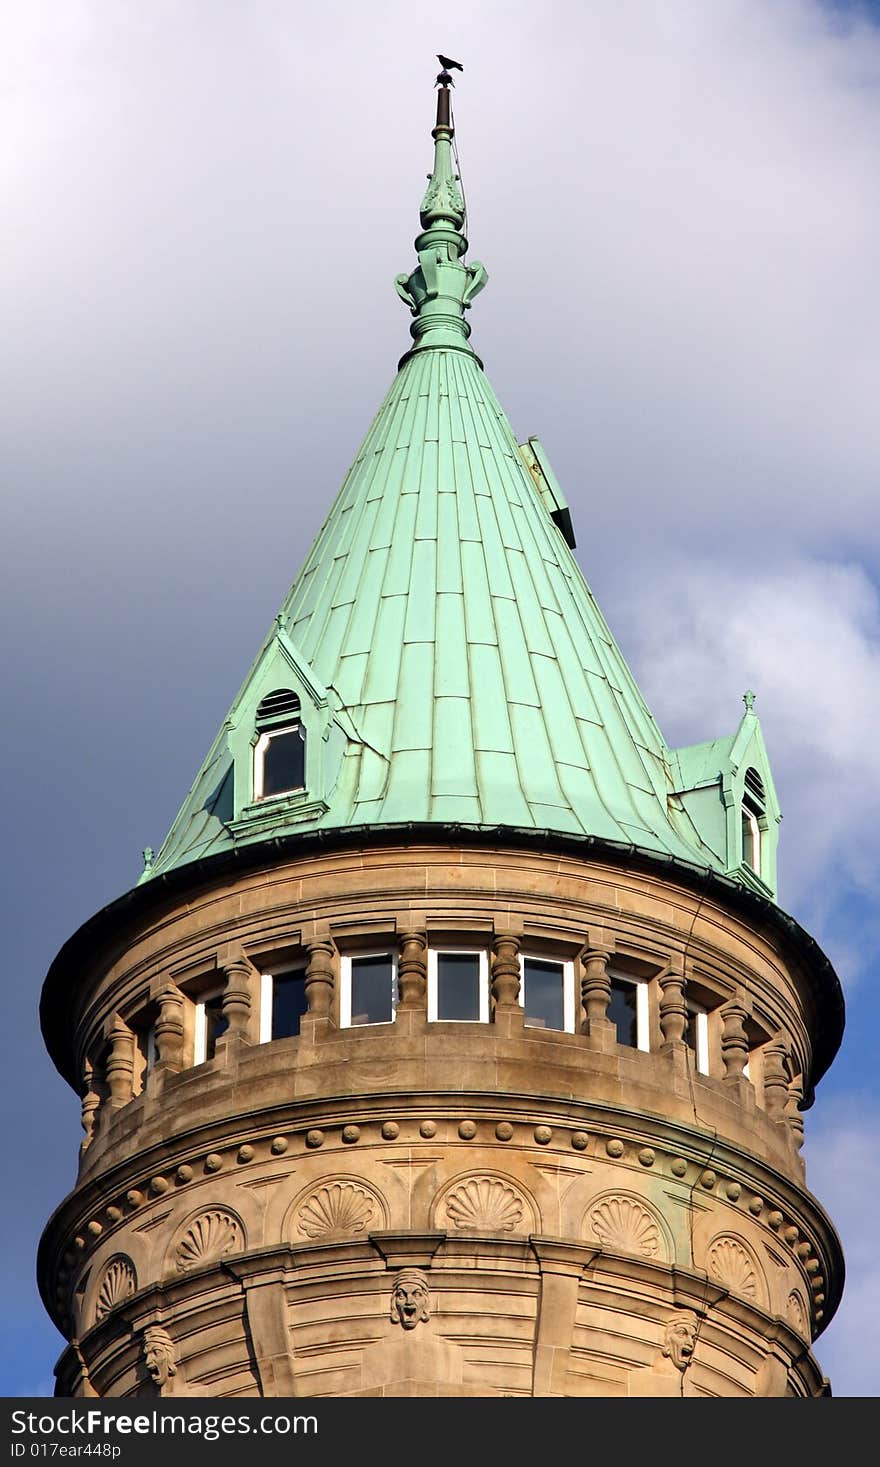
[{"x": 453, "y": 1042}]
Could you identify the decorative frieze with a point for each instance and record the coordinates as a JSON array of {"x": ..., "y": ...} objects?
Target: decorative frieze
[
  {"x": 118, "y": 1283},
  {"x": 732, "y": 1266},
  {"x": 624, "y": 1225},
  {"x": 484, "y": 1204},
  {"x": 337, "y": 1209},
  {"x": 210, "y": 1236}
]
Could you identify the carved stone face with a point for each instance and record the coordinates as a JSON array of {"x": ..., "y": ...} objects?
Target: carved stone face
[
  {"x": 159, "y": 1356},
  {"x": 679, "y": 1341},
  {"x": 409, "y": 1300}
]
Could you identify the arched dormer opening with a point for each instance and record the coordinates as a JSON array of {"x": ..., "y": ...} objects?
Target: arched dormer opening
[{"x": 280, "y": 747}]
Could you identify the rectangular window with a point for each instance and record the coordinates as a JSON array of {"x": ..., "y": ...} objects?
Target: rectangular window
[
  {"x": 458, "y": 986},
  {"x": 279, "y": 762},
  {"x": 210, "y": 1024},
  {"x": 547, "y": 993},
  {"x": 368, "y": 989},
  {"x": 628, "y": 1010},
  {"x": 282, "y": 1004},
  {"x": 696, "y": 1036}
]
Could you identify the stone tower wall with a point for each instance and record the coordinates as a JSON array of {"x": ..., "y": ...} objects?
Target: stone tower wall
[{"x": 559, "y": 1204}]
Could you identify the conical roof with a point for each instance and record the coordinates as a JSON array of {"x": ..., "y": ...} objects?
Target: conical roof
[{"x": 449, "y": 661}]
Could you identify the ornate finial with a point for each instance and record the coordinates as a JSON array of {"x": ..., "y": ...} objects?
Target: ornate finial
[
  {"x": 749, "y": 700},
  {"x": 148, "y": 859},
  {"x": 441, "y": 288}
]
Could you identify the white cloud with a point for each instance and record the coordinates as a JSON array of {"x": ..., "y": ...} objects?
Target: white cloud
[
  {"x": 805, "y": 636},
  {"x": 676, "y": 204}
]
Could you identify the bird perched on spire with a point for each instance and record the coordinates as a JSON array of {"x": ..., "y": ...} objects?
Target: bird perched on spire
[{"x": 444, "y": 79}]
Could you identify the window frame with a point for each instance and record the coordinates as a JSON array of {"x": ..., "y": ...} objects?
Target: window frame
[
  {"x": 752, "y": 816},
  {"x": 345, "y": 963},
  {"x": 263, "y": 740},
  {"x": 700, "y": 1049},
  {"x": 267, "y": 998},
  {"x": 200, "y": 1026},
  {"x": 569, "y": 1005},
  {"x": 433, "y": 986},
  {"x": 643, "y": 1009}
]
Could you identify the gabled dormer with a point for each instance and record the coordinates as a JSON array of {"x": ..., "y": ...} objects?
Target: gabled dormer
[
  {"x": 272, "y": 768},
  {"x": 280, "y": 734},
  {"x": 727, "y": 789}
]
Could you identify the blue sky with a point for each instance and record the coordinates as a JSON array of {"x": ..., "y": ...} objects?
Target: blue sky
[{"x": 206, "y": 207}]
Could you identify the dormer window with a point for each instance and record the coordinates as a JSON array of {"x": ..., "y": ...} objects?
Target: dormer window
[
  {"x": 752, "y": 810},
  {"x": 751, "y": 838},
  {"x": 280, "y": 749}
]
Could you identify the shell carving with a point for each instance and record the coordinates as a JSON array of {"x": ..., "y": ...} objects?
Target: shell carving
[
  {"x": 626, "y": 1226},
  {"x": 797, "y": 1314},
  {"x": 119, "y": 1283},
  {"x": 211, "y": 1236},
  {"x": 484, "y": 1204},
  {"x": 340, "y": 1207},
  {"x": 731, "y": 1265}
]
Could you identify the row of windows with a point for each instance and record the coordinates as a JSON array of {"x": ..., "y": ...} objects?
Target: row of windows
[{"x": 458, "y": 990}]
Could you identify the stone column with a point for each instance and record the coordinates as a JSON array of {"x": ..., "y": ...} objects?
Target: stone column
[
  {"x": 505, "y": 970},
  {"x": 673, "y": 1022},
  {"x": 412, "y": 970},
  {"x": 319, "y": 978},
  {"x": 735, "y": 1050},
  {"x": 238, "y": 994},
  {"x": 673, "y": 1009},
  {"x": 90, "y": 1103},
  {"x": 776, "y": 1078},
  {"x": 169, "y": 1029},
  {"x": 595, "y": 998},
  {"x": 119, "y": 1066},
  {"x": 507, "y": 1014},
  {"x": 793, "y": 1112},
  {"x": 734, "y": 1041}
]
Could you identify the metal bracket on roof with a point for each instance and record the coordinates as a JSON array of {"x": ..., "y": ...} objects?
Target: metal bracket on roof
[{"x": 548, "y": 487}]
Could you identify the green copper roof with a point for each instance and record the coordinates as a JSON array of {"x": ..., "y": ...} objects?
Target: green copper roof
[{"x": 450, "y": 662}]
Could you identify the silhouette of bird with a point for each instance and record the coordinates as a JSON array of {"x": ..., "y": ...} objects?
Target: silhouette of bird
[{"x": 449, "y": 65}]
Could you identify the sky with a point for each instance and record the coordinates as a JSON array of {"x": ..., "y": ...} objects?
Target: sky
[{"x": 205, "y": 205}]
